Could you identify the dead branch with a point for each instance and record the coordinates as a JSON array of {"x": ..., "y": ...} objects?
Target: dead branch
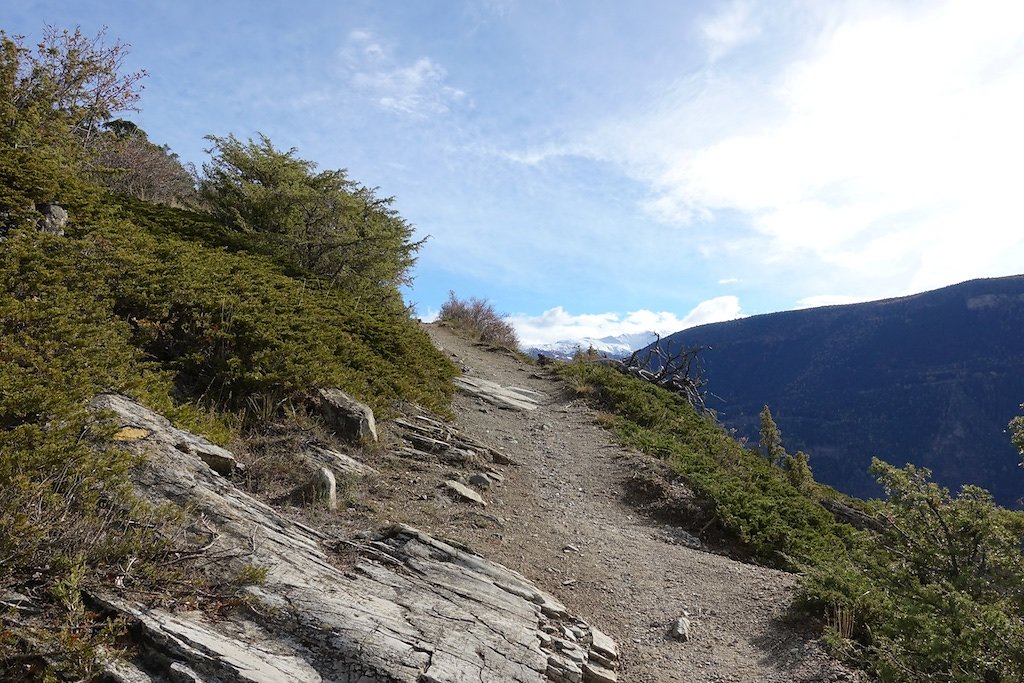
[{"x": 678, "y": 372}]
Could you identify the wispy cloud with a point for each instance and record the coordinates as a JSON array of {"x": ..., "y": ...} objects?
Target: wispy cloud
[
  {"x": 729, "y": 29},
  {"x": 419, "y": 88},
  {"x": 885, "y": 147},
  {"x": 558, "y": 324}
]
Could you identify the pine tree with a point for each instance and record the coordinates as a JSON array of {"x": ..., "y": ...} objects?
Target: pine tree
[{"x": 771, "y": 438}]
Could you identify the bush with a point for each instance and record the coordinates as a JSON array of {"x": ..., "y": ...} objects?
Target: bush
[
  {"x": 478, "y": 318},
  {"x": 128, "y": 163}
]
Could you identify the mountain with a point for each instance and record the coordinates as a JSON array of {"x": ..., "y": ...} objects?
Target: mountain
[
  {"x": 930, "y": 379},
  {"x": 612, "y": 347}
]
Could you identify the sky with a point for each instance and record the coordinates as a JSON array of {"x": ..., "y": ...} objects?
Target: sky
[{"x": 595, "y": 167}]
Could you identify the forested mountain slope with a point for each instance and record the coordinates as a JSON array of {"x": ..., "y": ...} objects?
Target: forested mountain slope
[{"x": 931, "y": 379}]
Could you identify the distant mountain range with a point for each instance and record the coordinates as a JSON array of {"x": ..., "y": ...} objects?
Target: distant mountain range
[
  {"x": 931, "y": 379},
  {"x": 612, "y": 347}
]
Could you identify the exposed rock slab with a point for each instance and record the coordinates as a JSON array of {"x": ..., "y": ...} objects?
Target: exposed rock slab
[
  {"x": 431, "y": 440},
  {"x": 146, "y": 427},
  {"x": 401, "y": 606},
  {"x": 349, "y": 418},
  {"x": 514, "y": 398},
  {"x": 337, "y": 461}
]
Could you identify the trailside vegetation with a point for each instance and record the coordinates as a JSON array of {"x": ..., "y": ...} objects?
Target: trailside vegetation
[
  {"x": 478, "y": 319},
  {"x": 197, "y": 315},
  {"x": 928, "y": 586},
  {"x": 324, "y": 222}
]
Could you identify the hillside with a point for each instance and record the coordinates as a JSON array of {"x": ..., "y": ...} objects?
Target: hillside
[
  {"x": 931, "y": 379},
  {"x": 229, "y": 453}
]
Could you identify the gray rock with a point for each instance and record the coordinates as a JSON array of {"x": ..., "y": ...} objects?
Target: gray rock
[
  {"x": 480, "y": 479},
  {"x": 513, "y": 398},
  {"x": 54, "y": 219},
  {"x": 321, "y": 489},
  {"x": 595, "y": 673},
  {"x": 680, "y": 629},
  {"x": 464, "y": 492},
  {"x": 142, "y": 426},
  {"x": 337, "y": 461},
  {"x": 347, "y": 417},
  {"x": 403, "y": 608}
]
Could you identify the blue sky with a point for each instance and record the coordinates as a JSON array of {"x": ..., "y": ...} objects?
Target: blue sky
[{"x": 597, "y": 167}]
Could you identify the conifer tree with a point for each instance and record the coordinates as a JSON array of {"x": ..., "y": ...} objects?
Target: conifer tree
[{"x": 771, "y": 438}]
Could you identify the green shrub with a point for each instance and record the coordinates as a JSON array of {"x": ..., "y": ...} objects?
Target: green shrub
[{"x": 326, "y": 223}]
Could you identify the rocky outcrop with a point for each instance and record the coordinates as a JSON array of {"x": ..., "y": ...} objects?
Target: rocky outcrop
[
  {"x": 396, "y": 606},
  {"x": 347, "y": 417},
  {"x": 434, "y": 441},
  {"x": 511, "y": 398}
]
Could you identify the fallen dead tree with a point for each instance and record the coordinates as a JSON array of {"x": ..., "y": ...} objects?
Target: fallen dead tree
[{"x": 678, "y": 371}]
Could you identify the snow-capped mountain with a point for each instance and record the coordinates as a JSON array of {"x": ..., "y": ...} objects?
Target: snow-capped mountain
[{"x": 612, "y": 347}]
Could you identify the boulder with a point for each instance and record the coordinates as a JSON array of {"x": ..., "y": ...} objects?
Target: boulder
[
  {"x": 54, "y": 219},
  {"x": 347, "y": 417},
  {"x": 399, "y": 607},
  {"x": 321, "y": 489}
]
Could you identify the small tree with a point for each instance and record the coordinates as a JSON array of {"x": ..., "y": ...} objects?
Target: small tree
[
  {"x": 64, "y": 90},
  {"x": 1017, "y": 435},
  {"x": 798, "y": 471},
  {"x": 953, "y": 576},
  {"x": 771, "y": 438},
  {"x": 53, "y": 99},
  {"x": 327, "y": 223}
]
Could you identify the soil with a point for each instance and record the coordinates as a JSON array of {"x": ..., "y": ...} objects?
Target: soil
[{"x": 569, "y": 518}]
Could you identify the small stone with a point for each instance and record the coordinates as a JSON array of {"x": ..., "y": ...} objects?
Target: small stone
[
  {"x": 603, "y": 643},
  {"x": 480, "y": 480},
  {"x": 321, "y": 488},
  {"x": 570, "y": 549},
  {"x": 680, "y": 629},
  {"x": 54, "y": 220},
  {"x": 464, "y": 492}
]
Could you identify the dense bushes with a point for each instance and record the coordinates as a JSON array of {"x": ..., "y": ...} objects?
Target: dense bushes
[{"x": 932, "y": 590}]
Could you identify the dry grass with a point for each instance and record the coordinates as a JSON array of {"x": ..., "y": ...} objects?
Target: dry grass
[{"x": 478, "y": 318}]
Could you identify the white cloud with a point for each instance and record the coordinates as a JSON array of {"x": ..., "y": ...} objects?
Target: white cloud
[
  {"x": 417, "y": 89},
  {"x": 713, "y": 310},
  {"x": 730, "y": 28},
  {"x": 729, "y": 281},
  {"x": 885, "y": 147},
  {"x": 557, "y": 324}
]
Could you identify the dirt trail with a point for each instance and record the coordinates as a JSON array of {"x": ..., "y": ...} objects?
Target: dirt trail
[{"x": 561, "y": 519}]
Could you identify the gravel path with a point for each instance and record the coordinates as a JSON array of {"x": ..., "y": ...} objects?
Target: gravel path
[{"x": 560, "y": 517}]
